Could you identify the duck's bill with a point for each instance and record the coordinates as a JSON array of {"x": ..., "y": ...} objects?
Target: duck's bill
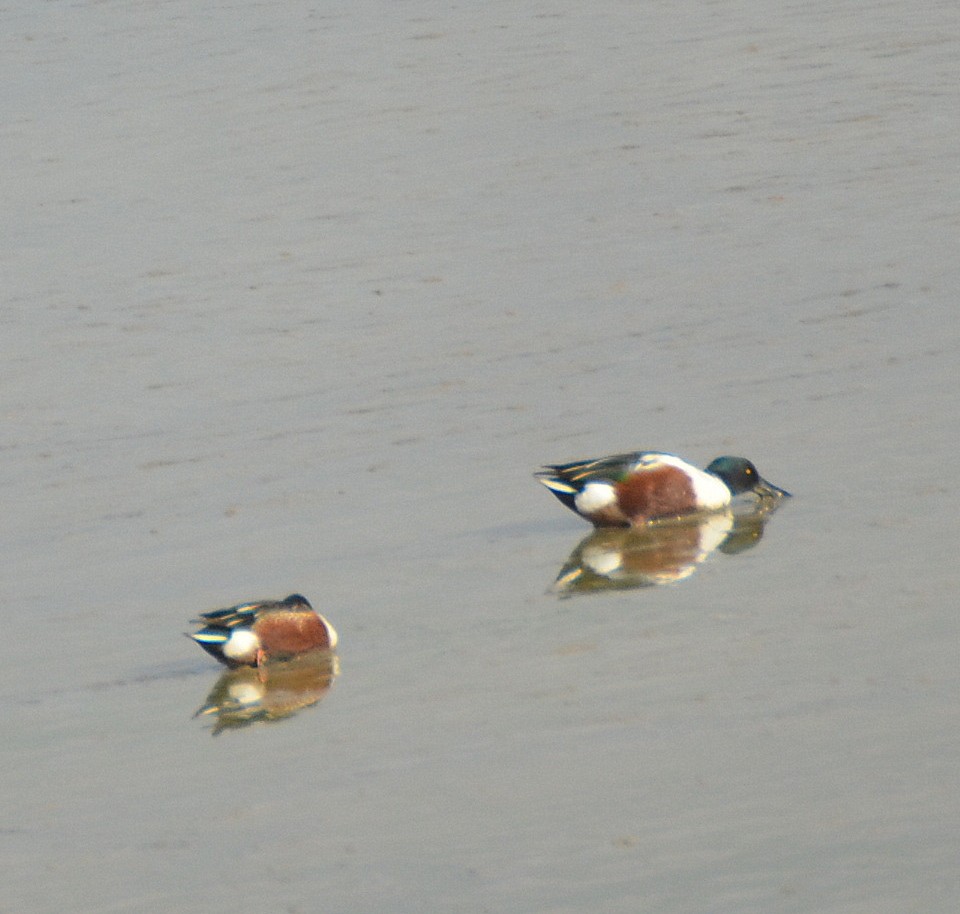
[{"x": 768, "y": 490}]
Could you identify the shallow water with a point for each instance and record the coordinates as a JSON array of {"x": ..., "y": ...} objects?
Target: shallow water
[{"x": 297, "y": 299}]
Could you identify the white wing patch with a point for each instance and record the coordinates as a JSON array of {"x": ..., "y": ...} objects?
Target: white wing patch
[
  {"x": 594, "y": 497},
  {"x": 242, "y": 644}
]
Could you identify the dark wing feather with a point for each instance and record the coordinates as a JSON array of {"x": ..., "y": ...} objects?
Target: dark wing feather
[
  {"x": 246, "y": 613},
  {"x": 611, "y": 468},
  {"x": 241, "y": 614}
]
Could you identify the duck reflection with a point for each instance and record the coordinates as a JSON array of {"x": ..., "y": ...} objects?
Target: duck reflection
[
  {"x": 275, "y": 691},
  {"x": 614, "y": 558}
]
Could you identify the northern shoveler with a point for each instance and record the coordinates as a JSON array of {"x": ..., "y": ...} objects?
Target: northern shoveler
[
  {"x": 633, "y": 489},
  {"x": 252, "y": 633}
]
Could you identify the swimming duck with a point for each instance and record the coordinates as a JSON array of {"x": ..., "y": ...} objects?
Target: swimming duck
[{"x": 633, "y": 489}]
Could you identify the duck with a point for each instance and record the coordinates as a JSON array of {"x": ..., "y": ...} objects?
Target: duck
[
  {"x": 250, "y": 634},
  {"x": 631, "y": 490}
]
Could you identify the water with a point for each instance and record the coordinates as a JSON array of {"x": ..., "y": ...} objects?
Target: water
[{"x": 297, "y": 299}]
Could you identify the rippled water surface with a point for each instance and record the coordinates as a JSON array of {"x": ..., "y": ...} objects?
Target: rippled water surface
[{"x": 297, "y": 296}]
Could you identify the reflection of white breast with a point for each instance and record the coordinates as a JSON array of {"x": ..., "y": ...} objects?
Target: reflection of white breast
[{"x": 714, "y": 530}]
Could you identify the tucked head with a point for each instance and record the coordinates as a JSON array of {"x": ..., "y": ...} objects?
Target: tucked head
[{"x": 740, "y": 475}]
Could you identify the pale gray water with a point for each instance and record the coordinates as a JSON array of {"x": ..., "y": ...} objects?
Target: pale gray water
[{"x": 297, "y": 296}]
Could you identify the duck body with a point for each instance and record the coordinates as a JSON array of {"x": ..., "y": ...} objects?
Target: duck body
[
  {"x": 633, "y": 489},
  {"x": 248, "y": 634}
]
